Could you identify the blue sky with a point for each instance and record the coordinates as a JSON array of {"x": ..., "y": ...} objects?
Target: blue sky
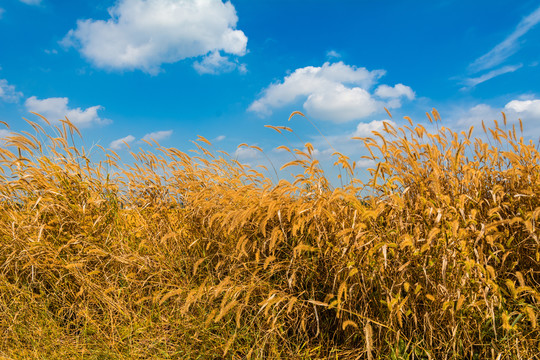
[{"x": 126, "y": 70}]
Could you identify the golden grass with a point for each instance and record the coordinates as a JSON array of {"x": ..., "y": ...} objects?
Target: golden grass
[{"x": 196, "y": 256}]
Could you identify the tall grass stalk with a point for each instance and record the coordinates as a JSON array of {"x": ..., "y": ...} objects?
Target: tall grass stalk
[{"x": 186, "y": 256}]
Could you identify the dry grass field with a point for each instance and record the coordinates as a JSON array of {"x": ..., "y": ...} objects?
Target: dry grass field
[{"x": 195, "y": 256}]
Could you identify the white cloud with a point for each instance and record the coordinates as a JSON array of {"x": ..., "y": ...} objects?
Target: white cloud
[
  {"x": 461, "y": 119},
  {"x": 158, "y": 135},
  {"x": 366, "y": 163},
  {"x": 333, "y": 54},
  {"x": 57, "y": 108},
  {"x": 340, "y": 104},
  {"x": 335, "y": 92},
  {"x": 8, "y": 92},
  {"x": 143, "y": 34},
  {"x": 214, "y": 63},
  {"x": 474, "y": 116},
  {"x": 31, "y": 2},
  {"x": 508, "y": 47},
  {"x": 2, "y": 12},
  {"x": 528, "y": 108},
  {"x": 366, "y": 129},
  {"x": 247, "y": 153},
  {"x": 220, "y": 138},
  {"x": 472, "y": 82},
  {"x": 394, "y": 94},
  {"x": 397, "y": 91},
  {"x": 242, "y": 68},
  {"x": 119, "y": 143},
  {"x": 345, "y": 143}
]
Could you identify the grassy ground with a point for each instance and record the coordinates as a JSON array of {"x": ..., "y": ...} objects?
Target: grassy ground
[{"x": 198, "y": 257}]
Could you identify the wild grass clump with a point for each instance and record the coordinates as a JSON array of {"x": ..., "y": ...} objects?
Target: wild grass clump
[{"x": 179, "y": 256}]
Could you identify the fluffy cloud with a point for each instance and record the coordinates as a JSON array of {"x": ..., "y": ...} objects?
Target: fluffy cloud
[
  {"x": 8, "y": 92},
  {"x": 366, "y": 163},
  {"x": 366, "y": 129},
  {"x": 119, "y": 143},
  {"x": 340, "y": 104},
  {"x": 394, "y": 94},
  {"x": 247, "y": 153},
  {"x": 158, "y": 135},
  {"x": 143, "y": 34},
  {"x": 397, "y": 91},
  {"x": 57, "y": 108},
  {"x": 214, "y": 63},
  {"x": 528, "y": 108},
  {"x": 335, "y": 92}
]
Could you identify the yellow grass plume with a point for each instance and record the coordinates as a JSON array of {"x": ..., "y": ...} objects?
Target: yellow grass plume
[{"x": 198, "y": 256}]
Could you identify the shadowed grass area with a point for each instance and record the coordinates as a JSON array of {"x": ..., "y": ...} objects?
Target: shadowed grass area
[{"x": 196, "y": 256}]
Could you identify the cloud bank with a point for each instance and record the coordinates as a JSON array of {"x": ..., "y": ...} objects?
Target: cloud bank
[{"x": 525, "y": 108}]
